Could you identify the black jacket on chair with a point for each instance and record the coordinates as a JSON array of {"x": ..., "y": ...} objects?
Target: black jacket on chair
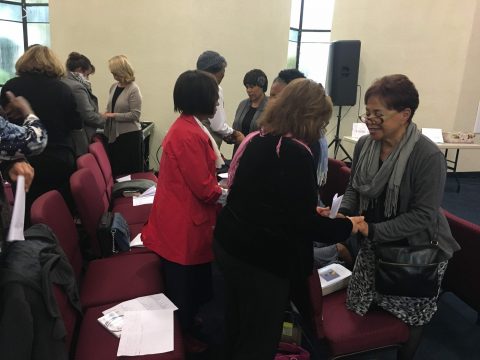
[{"x": 31, "y": 326}]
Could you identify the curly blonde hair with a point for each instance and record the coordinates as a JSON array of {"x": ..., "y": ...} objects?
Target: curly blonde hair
[
  {"x": 121, "y": 68},
  {"x": 302, "y": 109},
  {"x": 39, "y": 59}
]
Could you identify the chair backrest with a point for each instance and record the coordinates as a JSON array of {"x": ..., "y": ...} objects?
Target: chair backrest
[
  {"x": 343, "y": 179},
  {"x": 89, "y": 198},
  {"x": 88, "y": 161},
  {"x": 97, "y": 149},
  {"x": 463, "y": 271},
  {"x": 333, "y": 184},
  {"x": 50, "y": 209}
]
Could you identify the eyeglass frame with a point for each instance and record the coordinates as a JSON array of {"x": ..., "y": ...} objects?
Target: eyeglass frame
[{"x": 378, "y": 119}]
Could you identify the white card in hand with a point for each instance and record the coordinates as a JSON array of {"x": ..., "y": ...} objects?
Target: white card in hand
[
  {"x": 18, "y": 217},
  {"x": 337, "y": 200}
]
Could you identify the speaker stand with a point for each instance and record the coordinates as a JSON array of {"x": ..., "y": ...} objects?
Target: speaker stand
[{"x": 337, "y": 141}]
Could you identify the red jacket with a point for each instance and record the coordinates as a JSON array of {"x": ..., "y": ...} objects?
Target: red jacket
[{"x": 183, "y": 214}]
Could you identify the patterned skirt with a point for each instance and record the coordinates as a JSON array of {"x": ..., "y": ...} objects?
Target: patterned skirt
[{"x": 361, "y": 294}]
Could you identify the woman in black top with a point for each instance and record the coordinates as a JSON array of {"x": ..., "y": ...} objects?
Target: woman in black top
[
  {"x": 261, "y": 236},
  {"x": 39, "y": 81}
]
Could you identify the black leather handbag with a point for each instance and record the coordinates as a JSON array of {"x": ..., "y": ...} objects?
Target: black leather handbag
[{"x": 408, "y": 270}]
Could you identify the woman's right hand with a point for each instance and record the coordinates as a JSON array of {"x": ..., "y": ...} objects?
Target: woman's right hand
[{"x": 18, "y": 107}]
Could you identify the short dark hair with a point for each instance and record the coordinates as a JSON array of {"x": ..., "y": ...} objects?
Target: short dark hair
[
  {"x": 195, "y": 93},
  {"x": 288, "y": 75},
  {"x": 397, "y": 92},
  {"x": 76, "y": 60},
  {"x": 211, "y": 61},
  {"x": 256, "y": 77}
]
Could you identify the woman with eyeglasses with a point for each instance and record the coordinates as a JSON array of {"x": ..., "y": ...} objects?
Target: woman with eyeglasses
[{"x": 397, "y": 183}]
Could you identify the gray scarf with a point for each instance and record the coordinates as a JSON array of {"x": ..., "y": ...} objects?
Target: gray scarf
[
  {"x": 80, "y": 78},
  {"x": 370, "y": 180}
]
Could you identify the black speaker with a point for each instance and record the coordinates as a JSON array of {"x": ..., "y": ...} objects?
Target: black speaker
[{"x": 342, "y": 73}]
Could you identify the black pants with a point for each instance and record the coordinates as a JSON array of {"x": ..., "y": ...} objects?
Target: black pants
[
  {"x": 188, "y": 287},
  {"x": 255, "y": 304},
  {"x": 126, "y": 153}
]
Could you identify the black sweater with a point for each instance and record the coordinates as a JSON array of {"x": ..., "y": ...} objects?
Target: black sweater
[
  {"x": 270, "y": 218},
  {"x": 52, "y": 101}
]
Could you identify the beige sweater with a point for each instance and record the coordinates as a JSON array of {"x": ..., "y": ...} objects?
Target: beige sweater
[{"x": 127, "y": 109}]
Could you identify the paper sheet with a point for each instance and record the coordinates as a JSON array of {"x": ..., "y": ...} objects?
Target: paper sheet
[
  {"x": 146, "y": 332},
  {"x": 359, "y": 129},
  {"x": 149, "y": 302},
  {"x": 124, "y": 178},
  {"x": 433, "y": 134},
  {"x": 137, "y": 241},
  {"x": 142, "y": 200},
  {"x": 150, "y": 191},
  {"x": 18, "y": 217},
  {"x": 337, "y": 200}
]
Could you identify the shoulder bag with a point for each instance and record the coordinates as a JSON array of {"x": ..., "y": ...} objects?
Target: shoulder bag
[
  {"x": 408, "y": 270},
  {"x": 113, "y": 234}
]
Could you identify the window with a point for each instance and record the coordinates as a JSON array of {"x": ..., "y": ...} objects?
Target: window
[
  {"x": 309, "y": 39},
  {"x": 22, "y": 23}
]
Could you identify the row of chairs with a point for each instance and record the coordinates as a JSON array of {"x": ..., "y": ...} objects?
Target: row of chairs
[{"x": 104, "y": 282}]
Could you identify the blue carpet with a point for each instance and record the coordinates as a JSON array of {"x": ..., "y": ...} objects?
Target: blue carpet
[{"x": 466, "y": 202}]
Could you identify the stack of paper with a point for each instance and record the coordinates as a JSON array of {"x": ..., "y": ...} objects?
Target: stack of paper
[
  {"x": 333, "y": 277},
  {"x": 144, "y": 325}
]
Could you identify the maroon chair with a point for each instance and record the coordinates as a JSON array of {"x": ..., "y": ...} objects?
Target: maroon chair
[
  {"x": 7, "y": 188},
  {"x": 104, "y": 280},
  {"x": 463, "y": 271},
  {"x": 97, "y": 343},
  {"x": 332, "y": 186},
  {"x": 344, "y": 332},
  {"x": 343, "y": 179},
  {"x": 92, "y": 341},
  {"x": 134, "y": 215},
  {"x": 98, "y": 151},
  {"x": 88, "y": 191}
]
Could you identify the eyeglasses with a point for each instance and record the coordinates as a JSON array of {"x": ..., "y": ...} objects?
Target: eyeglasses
[{"x": 375, "y": 119}]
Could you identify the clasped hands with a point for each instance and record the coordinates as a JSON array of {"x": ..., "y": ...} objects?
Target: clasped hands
[
  {"x": 107, "y": 115},
  {"x": 358, "y": 222}
]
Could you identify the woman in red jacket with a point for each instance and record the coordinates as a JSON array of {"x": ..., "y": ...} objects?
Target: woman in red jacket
[{"x": 183, "y": 215}]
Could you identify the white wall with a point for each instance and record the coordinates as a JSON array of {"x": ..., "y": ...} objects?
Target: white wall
[
  {"x": 434, "y": 42},
  {"x": 164, "y": 38}
]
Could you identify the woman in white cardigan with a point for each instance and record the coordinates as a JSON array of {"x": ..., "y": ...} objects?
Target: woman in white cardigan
[{"x": 122, "y": 128}]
